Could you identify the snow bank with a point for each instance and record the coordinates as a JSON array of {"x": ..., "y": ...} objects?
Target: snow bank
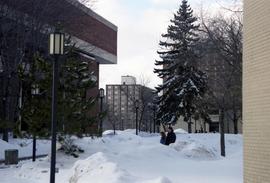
[
  {"x": 195, "y": 150},
  {"x": 128, "y": 158},
  {"x": 180, "y": 131},
  {"x": 108, "y": 133},
  {"x": 3, "y": 146},
  {"x": 24, "y": 147},
  {"x": 98, "y": 167}
]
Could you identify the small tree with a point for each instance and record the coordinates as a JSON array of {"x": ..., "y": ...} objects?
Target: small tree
[
  {"x": 35, "y": 110},
  {"x": 74, "y": 104}
]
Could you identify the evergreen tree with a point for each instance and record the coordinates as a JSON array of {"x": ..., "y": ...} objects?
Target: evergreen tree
[
  {"x": 183, "y": 82},
  {"x": 35, "y": 111},
  {"x": 74, "y": 104}
]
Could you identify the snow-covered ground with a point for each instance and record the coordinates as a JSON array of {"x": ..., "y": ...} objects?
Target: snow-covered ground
[
  {"x": 24, "y": 147},
  {"x": 127, "y": 158}
]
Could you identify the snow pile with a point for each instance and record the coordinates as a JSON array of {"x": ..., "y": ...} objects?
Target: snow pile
[
  {"x": 3, "y": 146},
  {"x": 97, "y": 167},
  {"x": 24, "y": 147},
  {"x": 128, "y": 158},
  {"x": 108, "y": 133},
  {"x": 34, "y": 171},
  {"x": 180, "y": 131},
  {"x": 195, "y": 150}
]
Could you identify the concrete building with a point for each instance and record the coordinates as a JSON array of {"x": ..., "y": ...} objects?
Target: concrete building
[
  {"x": 128, "y": 80},
  {"x": 256, "y": 91},
  {"x": 121, "y": 100}
]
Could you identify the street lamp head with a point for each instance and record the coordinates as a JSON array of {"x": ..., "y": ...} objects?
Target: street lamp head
[
  {"x": 35, "y": 89},
  {"x": 57, "y": 43},
  {"x": 101, "y": 92}
]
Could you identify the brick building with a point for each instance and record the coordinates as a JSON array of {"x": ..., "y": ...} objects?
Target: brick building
[
  {"x": 256, "y": 91},
  {"x": 27, "y": 23}
]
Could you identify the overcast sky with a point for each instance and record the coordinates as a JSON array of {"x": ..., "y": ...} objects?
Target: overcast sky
[{"x": 140, "y": 25}]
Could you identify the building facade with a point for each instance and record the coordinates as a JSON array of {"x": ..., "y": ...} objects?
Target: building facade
[
  {"x": 26, "y": 25},
  {"x": 128, "y": 80},
  {"x": 121, "y": 104},
  {"x": 121, "y": 101},
  {"x": 256, "y": 91}
]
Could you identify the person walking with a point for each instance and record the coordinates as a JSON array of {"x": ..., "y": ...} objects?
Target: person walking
[
  {"x": 162, "y": 138},
  {"x": 171, "y": 137}
]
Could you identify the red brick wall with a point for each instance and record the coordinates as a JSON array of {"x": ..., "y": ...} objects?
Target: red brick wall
[{"x": 75, "y": 21}]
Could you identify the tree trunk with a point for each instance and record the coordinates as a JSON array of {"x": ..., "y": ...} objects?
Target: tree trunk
[
  {"x": 195, "y": 126},
  {"x": 5, "y": 135},
  {"x": 189, "y": 126},
  {"x": 154, "y": 121},
  {"x": 154, "y": 130},
  {"x": 235, "y": 123},
  {"x": 222, "y": 135},
  {"x": 5, "y": 130}
]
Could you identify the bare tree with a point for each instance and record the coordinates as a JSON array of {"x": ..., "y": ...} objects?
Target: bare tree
[
  {"x": 145, "y": 97},
  {"x": 224, "y": 44},
  {"x": 113, "y": 120}
]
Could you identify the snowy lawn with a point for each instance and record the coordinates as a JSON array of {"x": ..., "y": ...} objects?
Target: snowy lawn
[
  {"x": 24, "y": 146},
  {"x": 127, "y": 158}
]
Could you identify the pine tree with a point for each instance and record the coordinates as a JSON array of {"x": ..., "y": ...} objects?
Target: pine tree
[
  {"x": 183, "y": 82},
  {"x": 35, "y": 111},
  {"x": 74, "y": 104}
]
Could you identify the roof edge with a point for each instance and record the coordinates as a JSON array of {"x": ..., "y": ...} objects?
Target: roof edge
[{"x": 90, "y": 12}]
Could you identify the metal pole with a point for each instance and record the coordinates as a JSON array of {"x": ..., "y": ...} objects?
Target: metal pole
[
  {"x": 34, "y": 148},
  {"x": 53, "y": 125},
  {"x": 136, "y": 121}
]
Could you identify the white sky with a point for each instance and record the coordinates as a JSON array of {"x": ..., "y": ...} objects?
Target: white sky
[{"x": 140, "y": 25}]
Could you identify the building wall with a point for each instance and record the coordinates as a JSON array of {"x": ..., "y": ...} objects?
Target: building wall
[
  {"x": 199, "y": 125},
  {"x": 256, "y": 91},
  {"x": 121, "y": 106},
  {"x": 78, "y": 20},
  {"x": 128, "y": 80}
]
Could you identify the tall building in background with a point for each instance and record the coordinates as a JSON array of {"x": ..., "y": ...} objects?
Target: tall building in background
[
  {"x": 121, "y": 101},
  {"x": 256, "y": 91},
  {"x": 128, "y": 80}
]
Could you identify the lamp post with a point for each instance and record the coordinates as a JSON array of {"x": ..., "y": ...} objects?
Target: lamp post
[
  {"x": 101, "y": 96},
  {"x": 153, "y": 107},
  {"x": 56, "y": 49},
  {"x": 136, "y": 108},
  {"x": 34, "y": 92}
]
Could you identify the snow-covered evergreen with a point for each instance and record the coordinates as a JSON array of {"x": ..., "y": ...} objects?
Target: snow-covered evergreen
[{"x": 183, "y": 83}]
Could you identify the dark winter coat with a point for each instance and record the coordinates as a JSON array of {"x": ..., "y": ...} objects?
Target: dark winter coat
[
  {"x": 163, "y": 140},
  {"x": 171, "y": 137}
]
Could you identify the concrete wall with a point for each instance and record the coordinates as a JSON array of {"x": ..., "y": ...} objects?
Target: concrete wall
[{"x": 256, "y": 91}]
